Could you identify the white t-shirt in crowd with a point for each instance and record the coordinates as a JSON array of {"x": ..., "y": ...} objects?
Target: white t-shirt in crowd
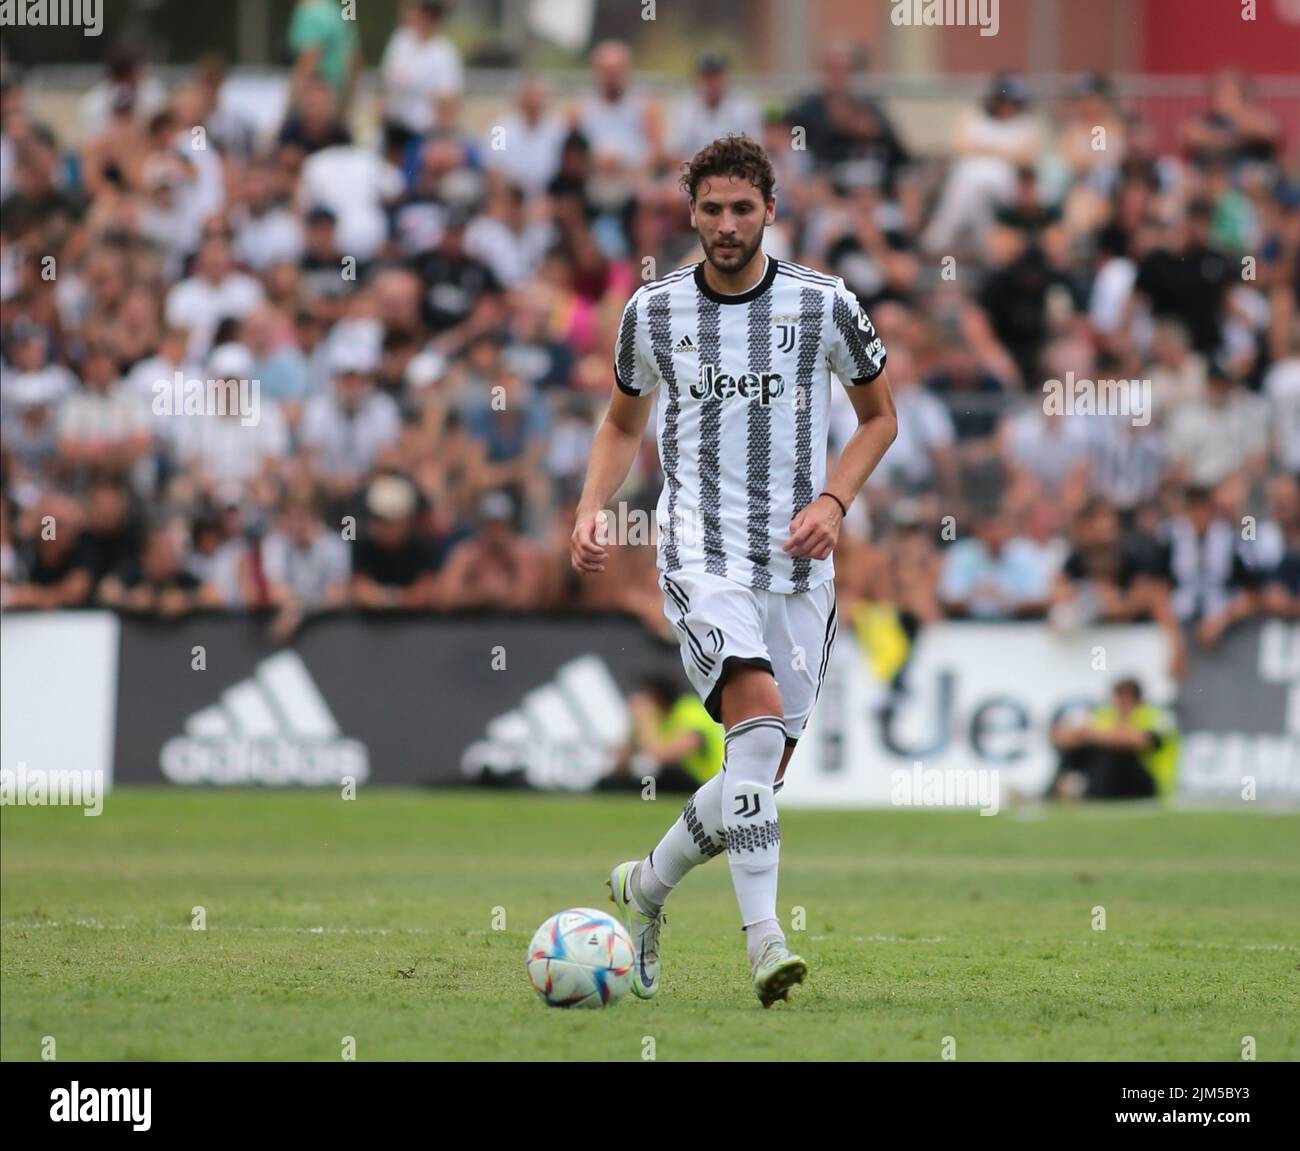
[
  {"x": 351, "y": 443},
  {"x": 261, "y": 242},
  {"x": 617, "y": 127},
  {"x": 698, "y": 125},
  {"x": 1282, "y": 387},
  {"x": 1049, "y": 448},
  {"x": 354, "y": 183},
  {"x": 309, "y": 571},
  {"x": 923, "y": 425},
  {"x": 229, "y": 451},
  {"x": 415, "y": 73},
  {"x": 1110, "y": 293},
  {"x": 117, "y": 415},
  {"x": 529, "y": 154},
  {"x": 199, "y": 305}
]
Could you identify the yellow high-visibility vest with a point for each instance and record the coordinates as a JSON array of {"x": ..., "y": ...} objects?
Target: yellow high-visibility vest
[
  {"x": 690, "y": 714},
  {"x": 1161, "y": 762}
]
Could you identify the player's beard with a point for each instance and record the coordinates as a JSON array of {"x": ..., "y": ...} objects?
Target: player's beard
[{"x": 737, "y": 259}]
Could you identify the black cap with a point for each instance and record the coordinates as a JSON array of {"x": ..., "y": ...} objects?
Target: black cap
[{"x": 712, "y": 62}]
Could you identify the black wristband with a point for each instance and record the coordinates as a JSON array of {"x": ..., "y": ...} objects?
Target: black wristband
[{"x": 839, "y": 501}]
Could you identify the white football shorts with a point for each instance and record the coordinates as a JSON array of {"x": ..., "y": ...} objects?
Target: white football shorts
[{"x": 721, "y": 622}]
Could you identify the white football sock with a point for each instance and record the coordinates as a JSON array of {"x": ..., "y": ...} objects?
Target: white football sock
[
  {"x": 753, "y": 831},
  {"x": 756, "y": 934},
  {"x": 694, "y": 838},
  {"x": 647, "y": 888}
]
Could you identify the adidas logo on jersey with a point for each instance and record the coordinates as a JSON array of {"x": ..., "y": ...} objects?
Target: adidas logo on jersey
[
  {"x": 685, "y": 344},
  {"x": 715, "y": 384}
]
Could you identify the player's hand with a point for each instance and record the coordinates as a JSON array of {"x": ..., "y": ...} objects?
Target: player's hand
[
  {"x": 586, "y": 552},
  {"x": 815, "y": 530}
]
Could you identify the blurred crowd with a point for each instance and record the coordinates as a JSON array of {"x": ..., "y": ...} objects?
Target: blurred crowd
[{"x": 429, "y": 313}]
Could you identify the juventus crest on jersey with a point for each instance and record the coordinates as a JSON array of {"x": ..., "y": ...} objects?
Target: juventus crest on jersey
[{"x": 743, "y": 411}]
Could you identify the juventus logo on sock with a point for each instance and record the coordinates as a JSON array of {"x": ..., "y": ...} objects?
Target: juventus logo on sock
[{"x": 749, "y": 805}]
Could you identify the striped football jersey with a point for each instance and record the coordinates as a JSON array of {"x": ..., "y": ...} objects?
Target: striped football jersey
[{"x": 742, "y": 417}]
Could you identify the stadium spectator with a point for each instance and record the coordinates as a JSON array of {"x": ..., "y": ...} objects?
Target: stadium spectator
[
  {"x": 505, "y": 240},
  {"x": 497, "y": 567},
  {"x": 674, "y": 740},
  {"x": 216, "y": 291},
  {"x": 357, "y": 186},
  {"x": 1185, "y": 277},
  {"x": 314, "y": 124},
  {"x": 395, "y": 564},
  {"x": 1177, "y": 372},
  {"x": 126, "y": 76},
  {"x": 160, "y": 583},
  {"x": 346, "y": 428},
  {"x": 531, "y": 141},
  {"x": 993, "y": 141},
  {"x": 112, "y": 537},
  {"x": 101, "y": 426},
  {"x": 1108, "y": 578},
  {"x": 1282, "y": 392},
  {"x": 713, "y": 110},
  {"x": 1093, "y": 136},
  {"x": 1225, "y": 433},
  {"x": 55, "y": 565},
  {"x": 1125, "y": 750},
  {"x": 844, "y": 128},
  {"x": 1280, "y": 592},
  {"x": 1213, "y": 585},
  {"x": 307, "y": 567},
  {"x": 236, "y": 435},
  {"x": 460, "y": 292},
  {"x": 1232, "y": 127},
  {"x": 324, "y": 45},
  {"x": 420, "y": 72},
  {"x": 995, "y": 575},
  {"x": 512, "y": 428},
  {"x": 616, "y": 121},
  {"x": 266, "y": 230},
  {"x": 1269, "y": 543},
  {"x": 220, "y": 557}
]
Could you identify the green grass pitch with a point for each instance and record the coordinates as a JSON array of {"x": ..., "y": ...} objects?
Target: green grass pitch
[{"x": 380, "y": 919}]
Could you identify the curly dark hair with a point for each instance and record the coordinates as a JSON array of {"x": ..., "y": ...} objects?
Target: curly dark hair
[{"x": 734, "y": 155}]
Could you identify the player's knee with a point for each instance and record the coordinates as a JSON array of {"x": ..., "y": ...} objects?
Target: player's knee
[{"x": 749, "y": 691}]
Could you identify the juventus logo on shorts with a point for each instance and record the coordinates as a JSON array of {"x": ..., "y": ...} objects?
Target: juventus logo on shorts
[
  {"x": 744, "y": 808},
  {"x": 714, "y": 636}
]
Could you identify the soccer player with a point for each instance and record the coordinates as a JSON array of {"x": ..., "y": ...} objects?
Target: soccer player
[{"x": 739, "y": 350}]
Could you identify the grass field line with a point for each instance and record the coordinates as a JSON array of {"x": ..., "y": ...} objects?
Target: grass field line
[{"x": 286, "y": 929}]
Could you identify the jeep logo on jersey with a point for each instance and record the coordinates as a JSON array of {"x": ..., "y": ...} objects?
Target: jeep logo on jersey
[{"x": 715, "y": 384}]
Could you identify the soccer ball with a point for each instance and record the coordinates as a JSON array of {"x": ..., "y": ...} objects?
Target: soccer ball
[{"x": 581, "y": 958}]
